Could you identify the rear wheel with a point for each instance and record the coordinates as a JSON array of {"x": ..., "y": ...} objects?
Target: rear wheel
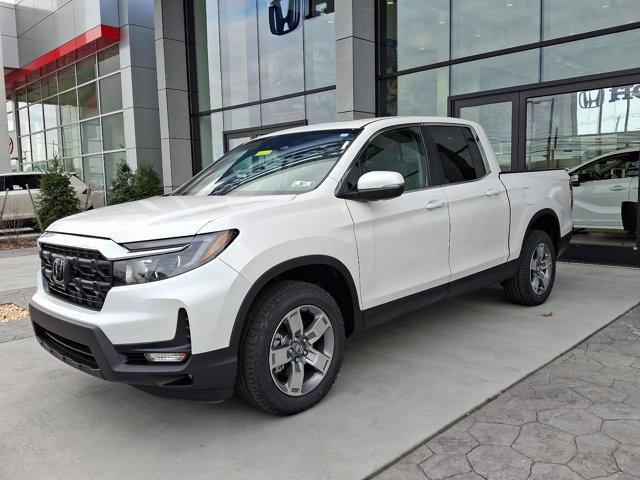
[
  {"x": 291, "y": 348},
  {"x": 533, "y": 282}
]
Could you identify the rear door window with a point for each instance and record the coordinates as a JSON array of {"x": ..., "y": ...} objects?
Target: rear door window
[{"x": 458, "y": 155}]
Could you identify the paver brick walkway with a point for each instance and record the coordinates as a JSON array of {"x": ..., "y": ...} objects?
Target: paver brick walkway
[{"x": 577, "y": 418}]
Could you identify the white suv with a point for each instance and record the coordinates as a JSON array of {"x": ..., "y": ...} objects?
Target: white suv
[{"x": 251, "y": 275}]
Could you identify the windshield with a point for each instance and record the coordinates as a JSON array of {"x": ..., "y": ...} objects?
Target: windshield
[{"x": 283, "y": 164}]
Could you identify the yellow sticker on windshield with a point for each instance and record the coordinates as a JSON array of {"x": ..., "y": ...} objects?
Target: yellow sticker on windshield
[{"x": 261, "y": 153}]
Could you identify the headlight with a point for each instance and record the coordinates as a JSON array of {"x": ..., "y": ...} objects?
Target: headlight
[{"x": 200, "y": 250}]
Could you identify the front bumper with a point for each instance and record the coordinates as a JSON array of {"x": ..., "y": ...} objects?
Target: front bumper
[{"x": 206, "y": 377}]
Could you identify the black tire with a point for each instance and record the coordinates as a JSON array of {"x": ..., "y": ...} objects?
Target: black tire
[
  {"x": 254, "y": 381},
  {"x": 519, "y": 288}
]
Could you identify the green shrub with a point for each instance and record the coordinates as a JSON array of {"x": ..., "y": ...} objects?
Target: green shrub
[
  {"x": 122, "y": 184},
  {"x": 146, "y": 182},
  {"x": 57, "y": 198},
  {"x": 129, "y": 185}
]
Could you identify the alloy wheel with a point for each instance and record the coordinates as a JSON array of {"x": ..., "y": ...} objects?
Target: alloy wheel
[
  {"x": 541, "y": 268},
  {"x": 301, "y": 350}
]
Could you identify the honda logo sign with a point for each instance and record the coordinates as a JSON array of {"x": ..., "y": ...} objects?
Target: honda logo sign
[
  {"x": 590, "y": 98},
  {"x": 281, "y": 24},
  {"x": 597, "y": 98}
]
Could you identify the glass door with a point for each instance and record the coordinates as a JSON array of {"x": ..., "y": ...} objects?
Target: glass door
[{"x": 498, "y": 116}]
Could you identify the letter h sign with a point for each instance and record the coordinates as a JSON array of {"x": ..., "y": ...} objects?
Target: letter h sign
[{"x": 281, "y": 24}]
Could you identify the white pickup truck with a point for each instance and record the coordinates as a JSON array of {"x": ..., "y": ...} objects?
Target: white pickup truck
[{"x": 251, "y": 275}]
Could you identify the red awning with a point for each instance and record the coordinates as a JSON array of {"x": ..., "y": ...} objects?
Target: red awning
[{"x": 85, "y": 44}]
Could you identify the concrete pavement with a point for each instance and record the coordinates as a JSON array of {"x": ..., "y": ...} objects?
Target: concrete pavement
[
  {"x": 401, "y": 382},
  {"x": 578, "y": 418}
]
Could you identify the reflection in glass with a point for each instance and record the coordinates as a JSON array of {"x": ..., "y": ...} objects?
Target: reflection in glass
[
  {"x": 49, "y": 85},
  {"x": 283, "y": 111},
  {"x": 281, "y": 59},
  {"x": 480, "y": 26},
  {"x": 495, "y": 119},
  {"x": 110, "y": 94},
  {"x": 570, "y": 17},
  {"x": 67, "y": 78},
  {"x": 21, "y": 97},
  {"x": 319, "y": 54},
  {"x": 25, "y": 148},
  {"x": 496, "y": 72},
  {"x": 38, "y": 147},
  {"x": 211, "y": 141},
  {"x": 88, "y": 101},
  {"x": 206, "y": 54},
  {"x": 68, "y": 107},
  {"x": 53, "y": 143},
  {"x": 108, "y": 60},
  {"x": 112, "y": 132},
  {"x": 23, "y": 120},
  {"x": 568, "y": 129},
  {"x": 36, "y": 117},
  {"x": 11, "y": 122},
  {"x": 591, "y": 56},
  {"x": 71, "y": 141},
  {"x": 239, "y": 48},
  {"x": 74, "y": 165},
  {"x": 34, "y": 92},
  {"x": 51, "y": 112},
  {"x": 413, "y": 33},
  {"x": 321, "y": 107},
  {"x": 421, "y": 93},
  {"x": 86, "y": 70},
  {"x": 93, "y": 169},
  {"x": 236, "y": 142},
  {"x": 240, "y": 118},
  {"x": 91, "y": 137}
]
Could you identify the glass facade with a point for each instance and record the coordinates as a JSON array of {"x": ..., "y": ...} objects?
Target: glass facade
[
  {"x": 246, "y": 77},
  {"x": 435, "y": 55},
  {"x": 73, "y": 114}
]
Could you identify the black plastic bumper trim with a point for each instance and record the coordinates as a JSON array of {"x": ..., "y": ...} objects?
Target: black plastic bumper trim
[{"x": 208, "y": 377}]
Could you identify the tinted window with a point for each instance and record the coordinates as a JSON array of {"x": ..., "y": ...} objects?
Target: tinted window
[
  {"x": 458, "y": 153},
  {"x": 20, "y": 182},
  {"x": 400, "y": 151}
]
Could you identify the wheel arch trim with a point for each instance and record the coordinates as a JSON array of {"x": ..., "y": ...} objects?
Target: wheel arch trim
[
  {"x": 542, "y": 213},
  {"x": 284, "y": 267}
]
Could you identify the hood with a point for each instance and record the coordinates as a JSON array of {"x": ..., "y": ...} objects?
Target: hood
[{"x": 159, "y": 217}]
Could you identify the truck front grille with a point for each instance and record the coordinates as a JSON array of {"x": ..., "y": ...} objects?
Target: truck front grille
[{"x": 86, "y": 279}]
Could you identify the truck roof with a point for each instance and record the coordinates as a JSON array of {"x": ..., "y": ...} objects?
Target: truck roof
[{"x": 358, "y": 124}]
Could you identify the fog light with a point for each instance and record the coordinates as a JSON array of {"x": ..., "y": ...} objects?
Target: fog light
[{"x": 167, "y": 357}]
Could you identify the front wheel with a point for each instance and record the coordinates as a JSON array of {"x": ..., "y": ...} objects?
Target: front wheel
[
  {"x": 291, "y": 348},
  {"x": 533, "y": 282}
]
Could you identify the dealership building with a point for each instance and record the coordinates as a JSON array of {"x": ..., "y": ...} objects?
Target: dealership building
[{"x": 177, "y": 83}]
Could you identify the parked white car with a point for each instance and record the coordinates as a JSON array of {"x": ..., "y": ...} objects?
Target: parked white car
[
  {"x": 601, "y": 186},
  {"x": 19, "y": 204},
  {"x": 251, "y": 275}
]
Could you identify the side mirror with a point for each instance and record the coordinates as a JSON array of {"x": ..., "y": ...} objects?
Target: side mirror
[
  {"x": 575, "y": 179},
  {"x": 380, "y": 185}
]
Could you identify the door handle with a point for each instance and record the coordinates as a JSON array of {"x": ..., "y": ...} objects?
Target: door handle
[
  {"x": 433, "y": 204},
  {"x": 618, "y": 188},
  {"x": 491, "y": 192}
]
